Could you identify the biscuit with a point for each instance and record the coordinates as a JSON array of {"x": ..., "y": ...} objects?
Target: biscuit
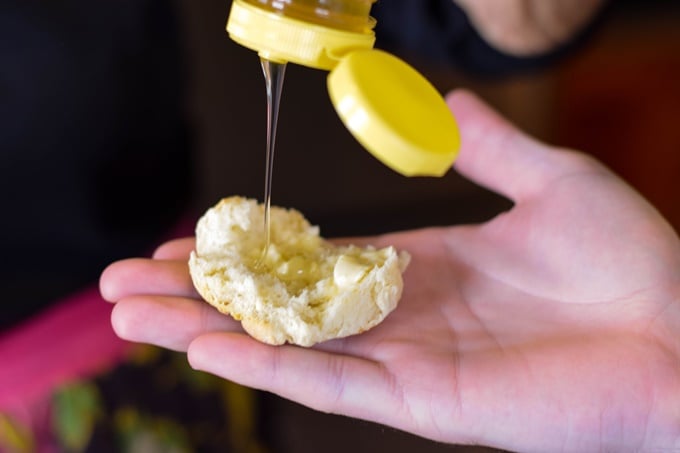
[{"x": 305, "y": 290}]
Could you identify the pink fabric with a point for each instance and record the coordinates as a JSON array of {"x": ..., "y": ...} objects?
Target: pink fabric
[{"x": 72, "y": 339}]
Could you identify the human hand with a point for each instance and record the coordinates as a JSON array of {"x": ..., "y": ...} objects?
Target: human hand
[
  {"x": 528, "y": 27},
  {"x": 554, "y": 326}
]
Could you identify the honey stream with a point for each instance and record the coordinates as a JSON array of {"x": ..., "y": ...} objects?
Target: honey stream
[{"x": 273, "y": 76}]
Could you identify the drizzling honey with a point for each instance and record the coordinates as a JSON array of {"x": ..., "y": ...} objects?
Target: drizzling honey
[{"x": 273, "y": 77}]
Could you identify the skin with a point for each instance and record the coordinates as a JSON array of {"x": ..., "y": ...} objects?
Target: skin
[
  {"x": 529, "y": 27},
  {"x": 553, "y": 327}
]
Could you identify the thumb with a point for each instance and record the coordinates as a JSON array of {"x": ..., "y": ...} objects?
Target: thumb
[{"x": 494, "y": 153}]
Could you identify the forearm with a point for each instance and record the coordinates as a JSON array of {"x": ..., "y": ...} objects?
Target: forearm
[{"x": 529, "y": 27}]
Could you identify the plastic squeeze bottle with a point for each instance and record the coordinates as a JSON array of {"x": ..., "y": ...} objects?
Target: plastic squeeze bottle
[{"x": 390, "y": 108}]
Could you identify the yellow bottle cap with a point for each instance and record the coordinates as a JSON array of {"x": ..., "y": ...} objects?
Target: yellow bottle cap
[
  {"x": 281, "y": 39},
  {"x": 395, "y": 113}
]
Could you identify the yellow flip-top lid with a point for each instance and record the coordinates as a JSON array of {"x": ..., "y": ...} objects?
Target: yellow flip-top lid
[{"x": 395, "y": 113}]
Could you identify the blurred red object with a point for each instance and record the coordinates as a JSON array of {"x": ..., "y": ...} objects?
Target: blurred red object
[{"x": 620, "y": 101}]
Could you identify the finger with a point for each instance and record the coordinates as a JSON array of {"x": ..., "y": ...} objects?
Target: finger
[
  {"x": 145, "y": 276},
  {"x": 323, "y": 381},
  {"x": 177, "y": 249},
  {"x": 496, "y": 154},
  {"x": 169, "y": 322}
]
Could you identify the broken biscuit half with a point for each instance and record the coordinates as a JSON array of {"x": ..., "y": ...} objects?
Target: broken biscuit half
[{"x": 304, "y": 289}]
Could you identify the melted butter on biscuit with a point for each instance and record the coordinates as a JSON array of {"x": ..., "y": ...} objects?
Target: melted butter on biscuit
[
  {"x": 302, "y": 265},
  {"x": 349, "y": 270}
]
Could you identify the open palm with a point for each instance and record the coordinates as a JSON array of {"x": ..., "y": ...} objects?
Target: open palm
[{"x": 555, "y": 326}]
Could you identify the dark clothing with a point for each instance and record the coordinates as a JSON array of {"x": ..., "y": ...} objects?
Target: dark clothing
[{"x": 440, "y": 32}]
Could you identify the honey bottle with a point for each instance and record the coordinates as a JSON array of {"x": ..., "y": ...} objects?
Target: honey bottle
[{"x": 390, "y": 108}]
